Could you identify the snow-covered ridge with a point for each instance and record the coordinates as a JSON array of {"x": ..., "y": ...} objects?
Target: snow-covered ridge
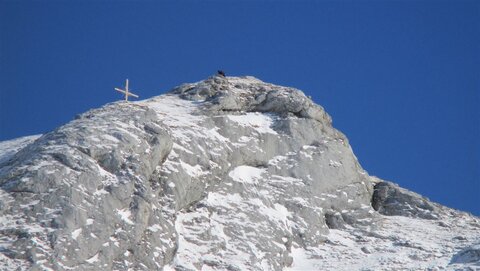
[
  {"x": 230, "y": 173},
  {"x": 9, "y": 147}
]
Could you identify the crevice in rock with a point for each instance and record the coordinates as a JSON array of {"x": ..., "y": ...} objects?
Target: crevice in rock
[{"x": 61, "y": 158}]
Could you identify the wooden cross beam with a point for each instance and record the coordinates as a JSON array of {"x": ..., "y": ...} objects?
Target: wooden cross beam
[{"x": 126, "y": 91}]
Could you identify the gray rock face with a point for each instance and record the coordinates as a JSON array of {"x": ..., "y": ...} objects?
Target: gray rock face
[
  {"x": 390, "y": 199},
  {"x": 252, "y": 95},
  {"x": 70, "y": 198},
  {"x": 468, "y": 255},
  {"x": 224, "y": 174}
]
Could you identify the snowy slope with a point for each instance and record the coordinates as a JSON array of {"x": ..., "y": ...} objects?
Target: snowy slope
[
  {"x": 10, "y": 147},
  {"x": 395, "y": 243},
  {"x": 223, "y": 174}
]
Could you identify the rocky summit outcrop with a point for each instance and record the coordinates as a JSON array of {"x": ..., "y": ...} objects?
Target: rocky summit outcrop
[{"x": 230, "y": 173}]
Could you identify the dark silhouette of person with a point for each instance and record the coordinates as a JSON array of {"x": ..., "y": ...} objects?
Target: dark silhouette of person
[{"x": 221, "y": 73}]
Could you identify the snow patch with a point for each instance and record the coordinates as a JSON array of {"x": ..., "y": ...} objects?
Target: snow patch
[
  {"x": 261, "y": 122},
  {"x": 194, "y": 171},
  {"x": 125, "y": 215},
  {"x": 10, "y": 147},
  {"x": 246, "y": 174},
  {"x": 76, "y": 233},
  {"x": 93, "y": 259}
]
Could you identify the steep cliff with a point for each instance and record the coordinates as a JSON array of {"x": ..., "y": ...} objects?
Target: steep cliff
[{"x": 229, "y": 173}]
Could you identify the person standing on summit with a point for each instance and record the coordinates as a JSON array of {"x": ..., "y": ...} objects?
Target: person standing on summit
[{"x": 221, "y": 73}]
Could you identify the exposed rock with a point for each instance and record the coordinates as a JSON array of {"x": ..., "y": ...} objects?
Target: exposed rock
[
  {"x": 80, "y": 196},
  {"x": 366, "y": 250},
  {"x": 229, "y": 173},
  {"x": 334, "y": 220},
  {"x": 468, "y": 255},
  {"x": 252, "y": 95},
  {"x": 390, "y": 199}
]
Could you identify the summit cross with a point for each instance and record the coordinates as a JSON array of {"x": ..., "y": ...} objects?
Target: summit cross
[{"x": 126, "y": 91}]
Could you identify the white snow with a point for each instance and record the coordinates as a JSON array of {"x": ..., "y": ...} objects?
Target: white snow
[
  {"x": 76, "y": 233},
  {"x": 334, "y": 163},
  {"x": 11, "y": 147},
  {"x": 194, "y": 171},
  {"x": 93, "y": 259},
  {"x": 261, "y": 122},
  {"x": 302, "y": 260},
  {"x": 246, "y": 174},
  {"x": 398, "y": 243},
  {"x": 100, "y": 192},
  {"x": 125, "y": 215},
  {"x": 178, "y": 115},
  {"x": 155, "y": 228}
]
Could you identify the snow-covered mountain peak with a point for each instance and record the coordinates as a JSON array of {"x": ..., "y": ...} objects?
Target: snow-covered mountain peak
[{"x": 229, "y": 173}]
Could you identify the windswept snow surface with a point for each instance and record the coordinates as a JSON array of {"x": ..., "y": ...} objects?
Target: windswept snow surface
[
  {"x": 178, "y": 114},
  {"x": 260, "y": 121},
  {"x": 393, "y": 243},
  {"x": 10, "y": 147},
  {"x": 246, "y": 174}
]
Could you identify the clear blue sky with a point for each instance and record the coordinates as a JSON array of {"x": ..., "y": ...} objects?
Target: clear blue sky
[{"x": 400, "y": 78}]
